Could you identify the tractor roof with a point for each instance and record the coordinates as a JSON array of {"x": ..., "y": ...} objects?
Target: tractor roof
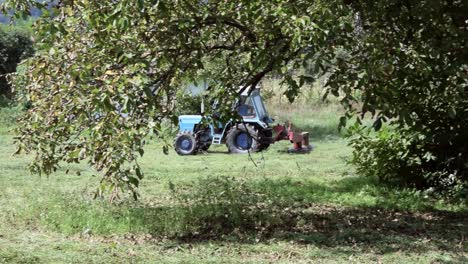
[{"x": 246, "y": 91}]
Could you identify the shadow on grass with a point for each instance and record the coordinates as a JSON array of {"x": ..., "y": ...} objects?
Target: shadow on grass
[
  {"x": 285, "y": 210},
  {"x": 226, "y": 209},
  {"x": 365, "y": 229}
]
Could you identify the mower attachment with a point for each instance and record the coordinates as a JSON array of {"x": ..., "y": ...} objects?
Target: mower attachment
[{"x": 299, "y": 139}]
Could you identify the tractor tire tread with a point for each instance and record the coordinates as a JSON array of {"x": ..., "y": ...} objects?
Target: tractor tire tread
[{"x": 251, "y": 130}]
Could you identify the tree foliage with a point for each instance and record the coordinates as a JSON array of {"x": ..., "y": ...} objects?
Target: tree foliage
[
  {"x": 409, "y": 61},
  {"x": 107, "y": 72},
  {"x": 98, "y": 60}
]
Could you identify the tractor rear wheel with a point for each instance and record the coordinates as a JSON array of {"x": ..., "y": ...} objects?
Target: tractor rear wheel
[
  {"x": 186, "y": 143},
  {"x": 242, "y": 138}
]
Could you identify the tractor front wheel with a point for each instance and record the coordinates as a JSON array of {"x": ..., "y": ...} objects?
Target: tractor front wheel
[
  {"x": 242, "y": 138},
  {"x": 185, "y": 143}
]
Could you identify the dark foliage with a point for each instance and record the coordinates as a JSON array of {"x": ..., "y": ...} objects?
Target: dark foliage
[
  {"x": 188, "y": 104},
  {"x": 15, "y": 45}
]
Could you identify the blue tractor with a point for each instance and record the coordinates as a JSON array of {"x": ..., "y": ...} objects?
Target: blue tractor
[{"x": 252, "y": 134}]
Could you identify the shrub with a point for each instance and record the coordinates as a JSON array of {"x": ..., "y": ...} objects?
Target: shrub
[
  {"x": 15, "y": 45},
  {"x": 409, "y": 158},
  {"x": 188, "y": 104}
]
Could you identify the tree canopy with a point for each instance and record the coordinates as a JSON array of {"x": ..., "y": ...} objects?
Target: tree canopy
[{"x": 100, "y": 59}]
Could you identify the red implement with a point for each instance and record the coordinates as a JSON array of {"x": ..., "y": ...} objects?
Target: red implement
[{"x": 299, "y": 139}]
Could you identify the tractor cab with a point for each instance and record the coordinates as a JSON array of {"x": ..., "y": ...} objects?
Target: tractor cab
[{"x": 251, "y": 108}]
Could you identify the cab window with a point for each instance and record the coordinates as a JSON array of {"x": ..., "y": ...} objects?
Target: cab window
[{"x": 246, "y": 107}]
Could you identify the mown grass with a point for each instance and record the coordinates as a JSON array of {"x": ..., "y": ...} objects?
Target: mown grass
[{"x": 215, "y": 207}]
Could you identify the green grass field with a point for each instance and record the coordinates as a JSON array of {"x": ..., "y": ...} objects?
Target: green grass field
[{"x": 217, "y": 208}]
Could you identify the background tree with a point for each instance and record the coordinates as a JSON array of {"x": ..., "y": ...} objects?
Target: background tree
[
  {"x": 15, "y": 45},
  {"x": 409, "y": 62}
]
